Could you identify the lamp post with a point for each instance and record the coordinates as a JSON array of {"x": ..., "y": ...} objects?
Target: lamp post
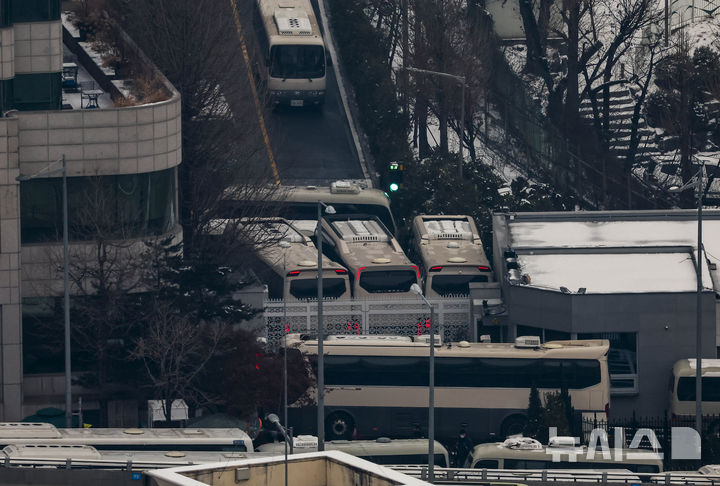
[
  {"x": 275, "y": 420},
  {"x": 461, "y": 80},
  {"x": 415, "y": 289},
  {"x": 320, "y": 330},
  {"x": 285, "y": 245},
  {"x": 66, "y": 285},
  {"x": 697, "y": 183}
]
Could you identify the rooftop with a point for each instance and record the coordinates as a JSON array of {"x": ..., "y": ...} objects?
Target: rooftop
[
  {"x": 614, "y": 251},
  {"x": 312, "y": 469}
]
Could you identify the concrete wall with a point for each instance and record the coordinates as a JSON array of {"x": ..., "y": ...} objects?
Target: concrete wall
[
  {"x": 647, "y": 314},
  {"x": 38, "y": 47},
  {"x": 127, "y": 140},
  {"x": 7, "y": 53},
  {"x": 10, "y": 330}
]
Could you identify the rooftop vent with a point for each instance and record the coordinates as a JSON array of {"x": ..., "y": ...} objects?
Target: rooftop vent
[
  {"x": 344, "y": 187},
  {"x": 561, "y": 441},
  {"x": 522, "y": 443},
  {"x": 292, "y": 22},
  {"x": 527, "y": 342}
]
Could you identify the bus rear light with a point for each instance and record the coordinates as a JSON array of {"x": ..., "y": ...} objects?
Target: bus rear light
[
  {"x": 293, "y": 273},
  {"x": 340, "y": 271},
  {"x": 435, "y": 269},
  {"x": 483, "y": 268},
  {"x": 357, "y": 277},
  {"x": 417, "y": 271}
]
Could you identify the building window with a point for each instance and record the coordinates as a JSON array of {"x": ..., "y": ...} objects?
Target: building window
[
  {"x": 121, "y": 206},
  {"x": 4, "y": 13},
  {"x": 622, "y": 360},
  {"x": 38, "y": 91},
  {"x": 34, "y": 10}
]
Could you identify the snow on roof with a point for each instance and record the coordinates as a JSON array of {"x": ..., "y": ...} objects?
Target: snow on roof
[
  {"x": 612, "y": 272},
  {"x": 629, "y": 267}
]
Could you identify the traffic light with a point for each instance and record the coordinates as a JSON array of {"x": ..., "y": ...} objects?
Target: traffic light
[{"x": 395, "y": 176}]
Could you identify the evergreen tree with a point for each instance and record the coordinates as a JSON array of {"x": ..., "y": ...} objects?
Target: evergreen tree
[
  {"x": 554, "y": 415},
  {"x": 534, "y": 413}
]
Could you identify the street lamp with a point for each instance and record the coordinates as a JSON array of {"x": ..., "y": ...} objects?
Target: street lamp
[
  {"x": 66, "y": 286},
  {"x": 320, "y": 330},
  {"x": 461, "y": 80},
  {"x": 273, "y": 419},
  {"x": 415, "y": 289},
  {"x": 697, "y": 183},
  {"x": 284, "y": 244}
]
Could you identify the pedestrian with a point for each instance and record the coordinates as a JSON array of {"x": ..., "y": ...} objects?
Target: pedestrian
[{"x": 463, "y": 446}]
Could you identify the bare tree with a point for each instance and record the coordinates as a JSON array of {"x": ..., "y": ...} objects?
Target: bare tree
[
  {"x": 175, "y": 352},
  {"x": 196, "y": 44}
]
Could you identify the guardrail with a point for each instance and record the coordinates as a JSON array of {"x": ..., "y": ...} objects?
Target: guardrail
[{"x": 474, "y": 476}]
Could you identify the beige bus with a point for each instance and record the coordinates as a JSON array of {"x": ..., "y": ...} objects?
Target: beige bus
[
  {"x": 375, "y": 260},
  {"x": 526, "y": 453},
  {"x": 682, "y": 387},
  {"x": 287, "y": 261},
  {"x": 378, "y": 385},
  {"x": 293, "y": 51},
  {"x": 451, "y": 255},
  {"x": 380, "y": 451},
  {"x": 299, "y": 204}
]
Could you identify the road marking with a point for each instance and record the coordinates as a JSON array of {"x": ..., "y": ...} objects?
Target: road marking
[{"x": 256, "y": 98}]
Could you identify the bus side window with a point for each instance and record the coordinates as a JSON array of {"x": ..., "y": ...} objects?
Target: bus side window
[{"x": 486, "y": 464}]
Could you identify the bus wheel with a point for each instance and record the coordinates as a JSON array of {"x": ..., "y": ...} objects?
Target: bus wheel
[
  {"x": 513, "y": 425},
  {"x": 339, "y": 425}
]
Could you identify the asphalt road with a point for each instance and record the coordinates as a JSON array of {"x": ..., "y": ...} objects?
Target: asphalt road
[{"x": 314, "y": 145}]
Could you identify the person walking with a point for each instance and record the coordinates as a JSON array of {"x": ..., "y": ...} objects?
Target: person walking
[{"x": 463, "y": 446}]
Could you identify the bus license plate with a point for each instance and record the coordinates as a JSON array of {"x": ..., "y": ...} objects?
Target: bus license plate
[{"x": 296, "y": 102}]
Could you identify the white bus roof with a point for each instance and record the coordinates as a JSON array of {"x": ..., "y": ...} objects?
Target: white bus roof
[
  {"x": 688, "y": 367},
  {"x": 363, "y": 241},
  {"x": 290, "y": 22},
  {"x": 299, "y": 254},
  {"x": 43, "y": 433},
  {"x": 449, "y": 240},
  {"x": 582, "y": 349}
]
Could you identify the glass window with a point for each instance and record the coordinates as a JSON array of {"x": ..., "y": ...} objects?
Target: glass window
[
  {"x": 123, "y": 206},
  {"x": 447, "y": 285},
  {"x": 34, "y": 10},
  {"x": 375, "y": 281},
  {"x": 487, "y": 464},
  {"x": 37, "y": 91},
  {"x": 4, "y": 13},
  {"x": 710, "y": 389},
  {"x": 306, "y": 288},
  {"x": 525, "y": 464},
  {"x": 461, "y": 372},
  {"x": 297, "y": 62}
]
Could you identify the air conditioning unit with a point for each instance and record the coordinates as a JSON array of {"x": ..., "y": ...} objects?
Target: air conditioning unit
[
  {"x": 344, "y": 187},
  {"x": 527, "y": 342},
  {"x": 561, "y": 441}
]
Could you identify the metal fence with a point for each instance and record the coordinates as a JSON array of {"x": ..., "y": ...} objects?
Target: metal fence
[
  {"x": 686, "y": 12},
  {"x": 399, "y": 316}
]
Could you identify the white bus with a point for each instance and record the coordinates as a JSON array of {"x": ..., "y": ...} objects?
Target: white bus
[
  {"x": 190, "y": 439},
  {"x": 380, "y": 451},
  {"x": 682, "y": 388},
  {"x": 527, "y": 453},
  {"x": 378, "y": 385},
  {"x": 287, "y": 261},
  {"x": 299, "y": 204},
  {"x": 375, "y": 260},
  {"x": 293, "y": 51},
  {"x": 451, "y": 255}
]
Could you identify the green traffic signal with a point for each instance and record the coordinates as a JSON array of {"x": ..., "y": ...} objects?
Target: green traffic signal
[{"x": 394, "y": 186}]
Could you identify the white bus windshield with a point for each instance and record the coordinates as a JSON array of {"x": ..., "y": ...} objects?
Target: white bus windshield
[
  {"x": 297, "y": 62},
  {"x": 448, "y": 285},
  {"x": 307, "y": 288}
]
